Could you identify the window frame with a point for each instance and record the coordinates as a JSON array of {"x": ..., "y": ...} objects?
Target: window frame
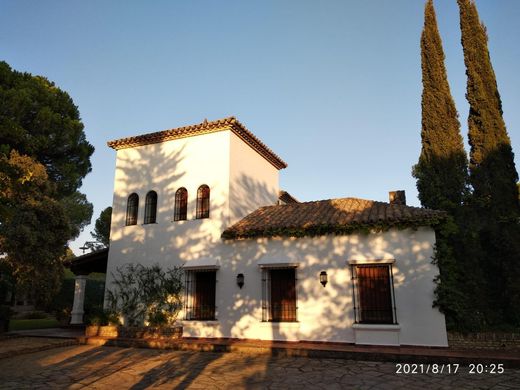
[
  {"x": 180, "y": 212},
  {"x": 132, "y": 211},
  {"x": 267, "y": 303},
  {"x": 356, "y": 293},
  {"x": 192, "y": 312},
  {"x": 150, "y": 208},
  {"x": 203, "y": 202}
]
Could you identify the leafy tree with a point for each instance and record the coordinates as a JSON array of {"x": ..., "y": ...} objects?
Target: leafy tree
[
  {"x": 39, "y": 120},
  {"x": 43, "y": 158},
  {"x": 442, "y": 177},
  {"x": 102, "y": 227},
  {"x": 34, "y": 228},
  {"x": 493, "y": 175},
  {"x": 79, "y": 212}
]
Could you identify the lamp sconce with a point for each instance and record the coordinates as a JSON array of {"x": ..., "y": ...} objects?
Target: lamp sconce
[
  {"x": 240, "y": 280},
  {"x": 323, "y": 278}
]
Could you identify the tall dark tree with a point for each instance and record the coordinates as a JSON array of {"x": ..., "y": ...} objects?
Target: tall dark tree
[
  {"x": 102, "y": 227},
  {"x": 442, "y": 178},
  {"x": 493, "y": 175},
  {"x": 442, "y": 168}
]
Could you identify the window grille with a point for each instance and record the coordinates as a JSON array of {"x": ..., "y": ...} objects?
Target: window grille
[
  {"x": 132, "y": 207},
  {"x": 373, "y": 294},
  {"x": 150, "y": 207},
  {"x": 181, "y": 205},
  {"x": 200, "y": 295},
  {"x": 203, "y": 202},
  {"x": 279, "y": 295}
]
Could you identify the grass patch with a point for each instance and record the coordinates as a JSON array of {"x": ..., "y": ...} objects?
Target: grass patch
[{"x": 33, "y": 324}]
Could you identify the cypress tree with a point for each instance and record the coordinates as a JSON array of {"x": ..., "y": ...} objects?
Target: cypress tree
[
  {"x": 442, "y": 168},
  {"x": 493, "y": 176},
  {"x": 442, "y": 178}
]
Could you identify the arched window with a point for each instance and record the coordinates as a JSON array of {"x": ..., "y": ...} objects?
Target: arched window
[
  {"x": 181, "y": 205},
  {"x": 150, "y": 207},
  {"x": 132, "y": 206},
  {"x": 203, "y": 202}
]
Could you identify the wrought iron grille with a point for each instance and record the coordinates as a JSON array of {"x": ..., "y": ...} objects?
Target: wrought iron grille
[
  {"x": 279, "y": 295},
  {"x": 150, "y": 207},
  {"x": 132, "y": 208},
  {"x": 181, "y": 205},
  {"x": 203, "y": 202},
  {"x": 200, "y": 295},
  {"x": 373, "y": 290}
]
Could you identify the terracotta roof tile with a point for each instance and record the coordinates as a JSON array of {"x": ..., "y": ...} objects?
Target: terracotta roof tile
[
  {"x": 285, "y": 197},
  {"x": 230, "y": 123},
  {"x": 333, "y": 216}
]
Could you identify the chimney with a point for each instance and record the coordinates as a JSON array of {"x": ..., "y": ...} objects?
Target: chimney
[{"x": 397, "y": 197}]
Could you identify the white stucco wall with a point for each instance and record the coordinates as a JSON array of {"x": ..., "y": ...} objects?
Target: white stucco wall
[
  {"x": 164, "y": 168},
  {"x": 241, "y": 181},
  {"x": 253, "y": 180},
  {"x": 220, "y": 160},
  {"x": 326, "y": 314}
]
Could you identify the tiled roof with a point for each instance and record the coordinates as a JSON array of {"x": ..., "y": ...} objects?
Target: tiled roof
[
  {"x": 333, "y": 216},
  {"x": 205, "y": 127}
]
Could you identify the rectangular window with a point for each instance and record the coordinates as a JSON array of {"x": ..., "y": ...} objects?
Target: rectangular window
[
  {"x": 279, "y": 295},
  {"x": 373, "y": 294},
  {"x": 200, "y": 295}
]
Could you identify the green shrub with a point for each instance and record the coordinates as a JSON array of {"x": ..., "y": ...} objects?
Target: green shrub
[
  {"x": 157, "y": 318},
  {"x": 140, "y": 293},
  {"x": 101, "y": 318}
]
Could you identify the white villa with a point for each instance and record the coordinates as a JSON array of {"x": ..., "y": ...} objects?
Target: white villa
[{"x": 261, "y": 265}]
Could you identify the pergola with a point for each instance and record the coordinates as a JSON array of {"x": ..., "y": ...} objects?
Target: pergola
[{"x": 82, "y": 266}]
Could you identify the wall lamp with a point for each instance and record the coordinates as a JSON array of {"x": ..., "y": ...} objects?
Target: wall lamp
[
  {"x": 240, "y": 280},
  {"x": 323, "y": 278}
]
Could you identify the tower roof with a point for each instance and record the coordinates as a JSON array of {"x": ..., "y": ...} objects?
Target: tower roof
[{"x": 230, "y": 123}]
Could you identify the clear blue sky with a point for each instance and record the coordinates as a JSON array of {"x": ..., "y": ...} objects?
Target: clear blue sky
[{"x": 333, "y": 87}]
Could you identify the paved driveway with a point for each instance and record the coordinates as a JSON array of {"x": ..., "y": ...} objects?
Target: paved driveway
[{"x": 126, "y": 368}]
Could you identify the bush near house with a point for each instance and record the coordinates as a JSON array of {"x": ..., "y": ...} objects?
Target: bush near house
[
  {"x": 100, "y": 317},
  {"x": 146, "y": 294}
]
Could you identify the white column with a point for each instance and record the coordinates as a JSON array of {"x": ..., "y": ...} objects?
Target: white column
[{"x": 79, "y": 299}]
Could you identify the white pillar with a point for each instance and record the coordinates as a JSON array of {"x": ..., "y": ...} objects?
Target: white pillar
[{"x": 79, "y": 299}]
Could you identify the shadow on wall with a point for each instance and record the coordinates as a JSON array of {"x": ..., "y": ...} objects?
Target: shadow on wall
[
  {"x": 165, "y": 242},
  {"x": 323, "y": 313},
  {"x": 247, "y": 195}
]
